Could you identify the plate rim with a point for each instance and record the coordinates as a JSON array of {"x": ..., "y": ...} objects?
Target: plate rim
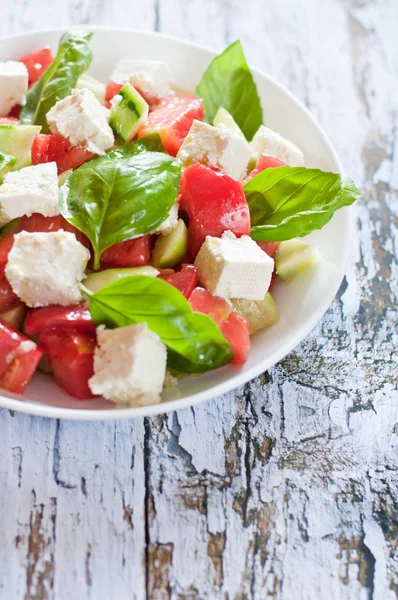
[{"x": 26, "y": 406}]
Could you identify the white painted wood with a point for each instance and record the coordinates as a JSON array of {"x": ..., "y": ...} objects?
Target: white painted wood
[{"x": 286, "y": 488}]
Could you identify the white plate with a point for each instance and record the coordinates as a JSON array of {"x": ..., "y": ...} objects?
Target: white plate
[{"x": 302, "y": 302}]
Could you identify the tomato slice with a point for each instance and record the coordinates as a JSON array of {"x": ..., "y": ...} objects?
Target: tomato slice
[
  {"x": 75, "y": 317},
  {"x": 112, "y": 89},
  {"x": 132, "y": 253},
  {"x": 7, "y": 296},
  {"x": 39, "y": 223},
  {"x": 269, "y": 248},
  {"x": 233, "y": 327},
  {"x": 71, "y": 357},
  {"x": 214, "y": 203},
  {"x": 264, "y": 162},
  {"x": 236, "y": 330},
  {"x": 215, "y": 307},
  {"x": 16, "y": 365},
  {"x": 172, "y": 119},
  {"x": 48, "y": 147},
  {"x": 37, "y": 62},
  {"x": 185, "y": 280},
  {"x": 5, "y": 246}
]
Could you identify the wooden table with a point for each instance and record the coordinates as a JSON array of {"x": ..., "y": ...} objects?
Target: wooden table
[{"x": 287, "y": 487}]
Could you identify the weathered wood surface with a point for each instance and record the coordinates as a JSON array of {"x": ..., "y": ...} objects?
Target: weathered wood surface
[{"x": 286, "y": 488}]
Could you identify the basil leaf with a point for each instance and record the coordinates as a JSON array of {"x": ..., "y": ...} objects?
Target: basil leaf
[
  {"x": 120, "y": 196},
  {"x": 193, "y": 340},
  {"x": 228, "y": 82},
  {"x": 288, "y": 202},
  {"x": 73, "y": 58}
]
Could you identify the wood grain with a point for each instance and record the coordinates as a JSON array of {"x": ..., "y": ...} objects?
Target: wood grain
[{"x": 287, "y": 487}]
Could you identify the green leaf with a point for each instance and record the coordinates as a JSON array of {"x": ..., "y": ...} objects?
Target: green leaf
[
  {"x": 288, "y": 202},
  {"x": 73, "y": 58},
  {"x": 228, "y": 82},
  {"x": 193, "y": 340},
  {"x": 123, "y": 195},
  {"x": 6, "y": 160}
]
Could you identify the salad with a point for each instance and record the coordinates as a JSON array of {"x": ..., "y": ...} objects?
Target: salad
[{"x": 142, "y": 229}]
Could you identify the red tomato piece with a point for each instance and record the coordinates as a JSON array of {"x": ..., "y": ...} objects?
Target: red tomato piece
[
  {"x": 39, "y": 223},
  {"x": 48, "y": 147},
  {"x": 236, "y": 331},
  {"x": 269, "y": 248},
  {"x": 16, "y": 365},
  {"x": 9, "y": 121},
  {"x": 172, "y": 119},
  {"x": 264, "y": 162},
  {"x": 37, "y": 62},
  {"x": 112, "y": 89},
  {"x": 214, "y": 202},
  {"x": 185, "y": 280},
  {"x": 71, "y": 357},
  {"x": 215, "y": 307},
  {"x": 75, "y": 317},
  {"x": 7, "y": 296},
  {"x": 233, "y": 327},
  {"x": 132, "y": 253},
  {"x": 5, "y": 246}
]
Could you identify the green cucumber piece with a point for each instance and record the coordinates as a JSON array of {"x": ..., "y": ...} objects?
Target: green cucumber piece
[
  {"x": 17, "y": 139},
  {"x": 294, "y": 257},
  {"x": 129, "y": 113},
  {"x": 13, "y": 226},
  {"x": 96, "y": 281},
  {"x": 259, "y": 314},
  {"x": 64, "y": 176},
  {"x": 224, "y": 120},
  {"x": 15, "y": 316},
  {"x": 91, "y": 83},
  {"x": 170, "y": 249}
]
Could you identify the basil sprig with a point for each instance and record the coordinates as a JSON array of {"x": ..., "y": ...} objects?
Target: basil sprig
[
  {"x": 193, "y": 340},
  {"x": 73, "y": 58},
  {"x": 228, "y": 83},
  {"x": 123, "y": 195},
  {"x": 288, "y": 202}
]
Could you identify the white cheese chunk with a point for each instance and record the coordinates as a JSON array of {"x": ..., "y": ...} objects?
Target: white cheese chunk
[
  {"x": 234, "y": 268},
  {"x": 30, "y": 190},
  {"x": 83, "y": 121},
  {"x": 129, "y": 365},
  {"x": 270, "y": 143},
  {"x": 152, "y": 78},
  {"x": 13, "y": 85},
  {"x": 47, "y": 268},
  {"x": 218, "y": 148},
  {"x": 224, "y": 120},
  {"x": 171, "y": 222}
]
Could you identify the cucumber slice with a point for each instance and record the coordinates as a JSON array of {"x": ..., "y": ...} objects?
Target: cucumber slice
[
  {"x": 96, "y": 281},
  {"x": 129, "y": 111},
  {"x": 258, "y": 313},
  {"x": 17, "y": 139},
  {"x": 294, "y": 257},
  {"x": 170, "y": 249},
  {"x": 64, "y": 176},
  {"x": 223, "y": 120},
  {"x": 91, "y": 83},
  {"x": 14, "y": 317},
  {"x": 13, "y": 226}
]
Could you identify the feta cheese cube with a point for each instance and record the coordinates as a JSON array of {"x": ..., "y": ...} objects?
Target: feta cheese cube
[
  {"x": 234, "y": 268},
  {"x": 224, "y": 120},
  {"x": 218, "y": 148},
  {"x": 129, "y": 365},
  {"x": 30, "y": 190},
  {"x": 171, "y": 222},
  {"x": 83, "y": 121},
  {"x": 153, "y": 79},
  {"x": 13, "y": 85},
  {"x": 271, "y": 143},
  {"x": 47, "y": 268}
]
